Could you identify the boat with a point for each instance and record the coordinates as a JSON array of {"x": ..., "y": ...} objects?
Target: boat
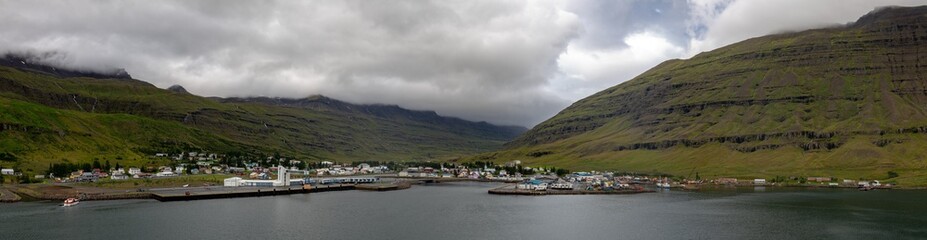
[{"x": 70, "y": 202}]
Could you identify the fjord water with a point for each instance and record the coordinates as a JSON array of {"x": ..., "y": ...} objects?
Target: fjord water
[{"x": 466, "y": 211}]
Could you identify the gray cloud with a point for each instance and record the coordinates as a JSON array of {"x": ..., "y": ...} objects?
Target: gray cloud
[
  {"x": 507, "y": 62},
  {"x": 481, "y": 60}
]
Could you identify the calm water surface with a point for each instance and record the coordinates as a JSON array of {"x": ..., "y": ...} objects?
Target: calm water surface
[{"x": 466, "y": 211}]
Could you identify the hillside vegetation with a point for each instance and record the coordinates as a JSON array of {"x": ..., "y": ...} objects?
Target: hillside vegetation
[
  {"x": 847, "y": 102},
  {"x": 49, "y": 116}
]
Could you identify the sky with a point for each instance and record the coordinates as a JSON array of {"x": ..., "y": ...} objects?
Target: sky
[{"x": 502, "y": 61}]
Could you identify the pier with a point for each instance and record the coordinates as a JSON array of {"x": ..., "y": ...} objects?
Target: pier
[{"x": 188, "y": 195}]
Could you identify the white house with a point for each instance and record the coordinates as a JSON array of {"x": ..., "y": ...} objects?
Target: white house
[
  {"x": 759, "y": 181},
  {"x": 165, "y": 174},
  {"x": 118, "y": 176},
  {"x": 133, "y": 171},
  {"x": 7, "y": 171}
]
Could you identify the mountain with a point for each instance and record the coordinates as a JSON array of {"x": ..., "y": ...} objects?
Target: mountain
[
  {"x": 848, "y": 101},
  {"x": 50, "y": 115}
]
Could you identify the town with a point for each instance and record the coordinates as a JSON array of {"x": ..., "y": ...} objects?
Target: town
[{"x": 277, "y": 171}]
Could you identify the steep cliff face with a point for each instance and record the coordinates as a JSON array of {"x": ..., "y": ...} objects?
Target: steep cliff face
[{"x": 804, "y": 92}]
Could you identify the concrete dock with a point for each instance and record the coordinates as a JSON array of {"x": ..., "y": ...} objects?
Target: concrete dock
[{"x": 235, "y": 192}]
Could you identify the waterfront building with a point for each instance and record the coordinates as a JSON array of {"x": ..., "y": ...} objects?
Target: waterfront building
[
  {"x": 819, "y": 179},
  {"x": 759, "y": 181},
  {"x": 536, "y": 185},
  {"x": 232, "y": 182},
  {"x": 283, "y": 179}
]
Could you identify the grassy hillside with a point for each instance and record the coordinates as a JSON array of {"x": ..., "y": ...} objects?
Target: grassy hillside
[
  {"x": 49, "y": 117},
  {"x": 846, "y": 102}
]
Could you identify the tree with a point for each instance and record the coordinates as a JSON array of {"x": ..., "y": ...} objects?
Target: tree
[
  {"x": 892, "y": 174},
  {"x": 96, "y": 164}
]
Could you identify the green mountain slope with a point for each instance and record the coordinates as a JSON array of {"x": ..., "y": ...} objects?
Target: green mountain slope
[
  {"x": 847, "y": 101},
  {"x": 47, "y": 115}
]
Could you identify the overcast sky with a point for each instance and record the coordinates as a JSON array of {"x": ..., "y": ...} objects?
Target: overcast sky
[{"x": 505, "y": 62}]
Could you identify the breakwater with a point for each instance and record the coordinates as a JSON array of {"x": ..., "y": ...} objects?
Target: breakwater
[{"x": 245, "y": 192}]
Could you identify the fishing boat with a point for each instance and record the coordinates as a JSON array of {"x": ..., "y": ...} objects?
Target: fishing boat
[{"x": 70, "y": 202}]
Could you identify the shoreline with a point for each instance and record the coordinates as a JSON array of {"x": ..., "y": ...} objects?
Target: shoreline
[
  {"x": 510, "y": 190},
  {"x": 58, "y": 192}
]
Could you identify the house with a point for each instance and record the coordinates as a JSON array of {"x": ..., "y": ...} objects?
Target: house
[
  {"x": 726, "y": 181},
  {"x": 7, "y": 171},
  {"x": 118, "y": 176},
  {"x": 134, "y": 171},
  {"x": 759, "y": 181},
  {"x": 87, "y": 177},
  {"x": 819, "y": 179},
  {"x": 165, "y": 174}
]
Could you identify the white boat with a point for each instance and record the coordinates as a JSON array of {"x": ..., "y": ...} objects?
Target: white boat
[
  {"x": 663, "y": 185},
  {"x": 70, "y": 202}
]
